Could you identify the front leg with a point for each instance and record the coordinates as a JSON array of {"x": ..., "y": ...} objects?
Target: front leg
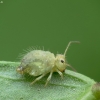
[{"x": 60, "y": 73}]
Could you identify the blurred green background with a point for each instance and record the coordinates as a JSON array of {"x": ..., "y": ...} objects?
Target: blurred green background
[{"x": 52, "y": 24}]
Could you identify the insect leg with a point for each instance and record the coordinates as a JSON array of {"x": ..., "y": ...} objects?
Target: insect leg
[
  {"x": 49, "y": 77},
  {"x": 60, "y": 73},
  {"x": 38, "y": 78}
]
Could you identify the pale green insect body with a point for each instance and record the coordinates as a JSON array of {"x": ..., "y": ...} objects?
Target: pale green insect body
[{"x": 39, "y": 63}]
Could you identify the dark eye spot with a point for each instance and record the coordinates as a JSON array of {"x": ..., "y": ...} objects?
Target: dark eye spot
[{"x": 62, "y": 61}]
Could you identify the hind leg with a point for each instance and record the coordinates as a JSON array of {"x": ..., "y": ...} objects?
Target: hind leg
[
  {"x": 49, "y": 77},
  {"x": 38, "y": 78}
]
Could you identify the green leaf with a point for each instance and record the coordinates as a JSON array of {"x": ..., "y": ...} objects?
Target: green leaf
[{"x": 13, "y": 86}]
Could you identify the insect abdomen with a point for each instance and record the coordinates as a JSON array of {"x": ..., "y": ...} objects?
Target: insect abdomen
[{"x": 38, "y": 62}]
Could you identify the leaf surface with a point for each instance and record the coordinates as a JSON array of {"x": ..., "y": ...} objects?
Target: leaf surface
[{"x": 13, "y": 86}]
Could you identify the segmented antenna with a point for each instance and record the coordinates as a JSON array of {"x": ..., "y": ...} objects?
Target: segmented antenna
[{"x": 69, "y": 45}]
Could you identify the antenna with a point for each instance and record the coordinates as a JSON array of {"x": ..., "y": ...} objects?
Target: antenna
[
  {"x": 69, "y": 45},
  {"x": 71, "y": 67}
]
